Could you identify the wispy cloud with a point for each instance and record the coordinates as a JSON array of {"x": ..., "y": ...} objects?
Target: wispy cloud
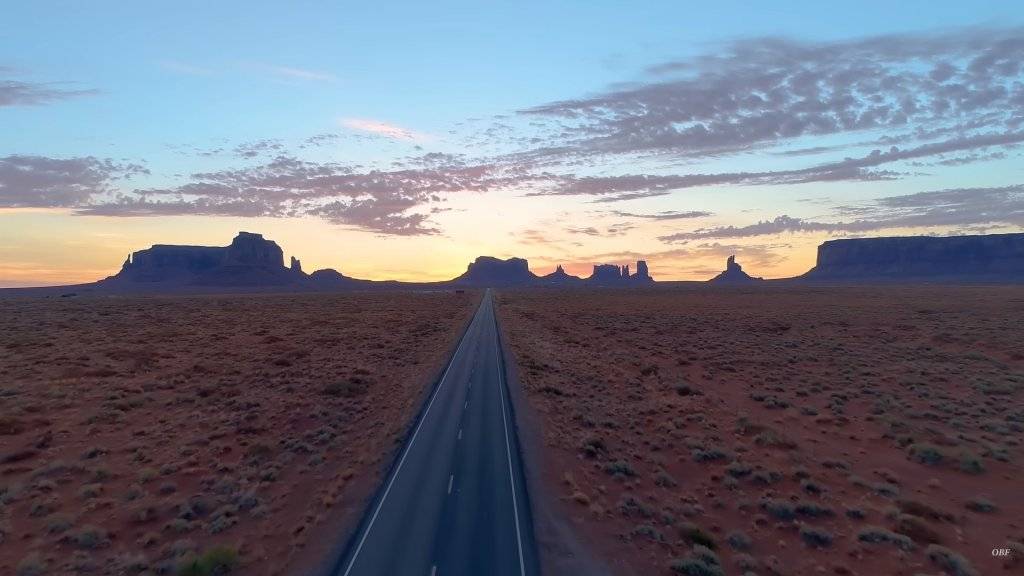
[
  {"x": 385, "y": 129},
  {"x": 300, "y": 73},
  {"x": 185, "y": 68},
  {"x": 862, "y": 168},
  {"x": 666, "y": 215},
  {"x": 957, "y": 208},
  {"x": 22, "y": 93},
  {"x": 284, "y": 72}
]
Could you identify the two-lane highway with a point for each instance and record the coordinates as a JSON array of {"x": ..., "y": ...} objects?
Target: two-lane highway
[{"x": 455, "y": 502}]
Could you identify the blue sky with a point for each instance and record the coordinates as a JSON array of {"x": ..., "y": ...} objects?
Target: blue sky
[{"x": 525, "y": 104}]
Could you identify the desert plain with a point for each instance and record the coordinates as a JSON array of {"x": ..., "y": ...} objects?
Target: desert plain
[
  {"x": 781, "y": 430},
  {"x": 190, "y": 434},
  {"x": 684, "y": 430}
]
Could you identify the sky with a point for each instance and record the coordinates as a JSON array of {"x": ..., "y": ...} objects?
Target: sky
[{"x": 400, "y": 140}]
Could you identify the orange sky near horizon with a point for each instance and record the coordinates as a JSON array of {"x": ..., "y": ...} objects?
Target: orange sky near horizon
[{"x": 53, "y": 247}]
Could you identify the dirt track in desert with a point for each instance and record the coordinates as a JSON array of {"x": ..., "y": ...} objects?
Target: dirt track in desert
[
  {"x": 143, "y": 433},
  {"x": 783, "y": 430}
]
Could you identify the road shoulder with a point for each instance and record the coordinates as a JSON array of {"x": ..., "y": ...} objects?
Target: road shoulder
[{"x": 559, "y": 548}]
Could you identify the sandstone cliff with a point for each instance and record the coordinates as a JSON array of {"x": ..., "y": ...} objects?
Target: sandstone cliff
[
  {"x": 990, "y": 257},
  {"x": 560, "y": 278},
  {"x": 490, "y": 271},
  {"x": 250, "y": 260},
  {"x": 610, "y": 274},
  {"x": 734, "y": 274}
]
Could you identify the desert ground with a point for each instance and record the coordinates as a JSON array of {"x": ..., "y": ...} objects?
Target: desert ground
[
  {"x": 779, "y": 430},
  {"x": 177, "y": 435}
]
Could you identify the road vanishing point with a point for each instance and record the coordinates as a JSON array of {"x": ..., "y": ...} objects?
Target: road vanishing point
[{"x": 455, "y": 502}]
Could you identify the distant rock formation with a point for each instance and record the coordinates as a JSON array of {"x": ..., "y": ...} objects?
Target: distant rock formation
[
  {"x": 610, "y": 274},
  {"x": 989, "y": 257},
  {"x": 253, "y": 263},
  {"x": 249, "y": 249},
  {"x": 164, "y": 263},
  {"x": 606, "y": 273},
  {"x": 734, "y": 274},
  {"x": 490, "y": 271},
  {"x": 642, "y": 274},
  {"x": 250, "y": 260},
  {"x": 560, "y": 277},
  {"x": 331, "y": 278}
]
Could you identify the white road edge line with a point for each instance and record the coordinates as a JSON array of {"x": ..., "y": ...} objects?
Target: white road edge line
[
  {"x": 508, "y": 451},
  {"x": 398, "y": 468}
]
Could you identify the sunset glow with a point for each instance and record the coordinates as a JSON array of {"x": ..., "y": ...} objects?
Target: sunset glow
[{"x": 669, "y": 133}]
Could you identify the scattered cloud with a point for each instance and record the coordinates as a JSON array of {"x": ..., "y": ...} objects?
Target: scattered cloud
[
  {"x": 202, "y": 206},
  {"x": 385, "y": 215},
  {"x": 318, "y": 140},
  {"x": 385, "y": 129},
  {"x": 532, "y": 236},
  {"x": 958, "y": 208},
  {"x": 41, "y": 182},
  {"x": 778, "y": 225},
  {"x": 757, "y": 93},
  {"x": 397, "y": 202},
  {"x": 258, "y": 148},
  {"x": 861, "y": 110}
]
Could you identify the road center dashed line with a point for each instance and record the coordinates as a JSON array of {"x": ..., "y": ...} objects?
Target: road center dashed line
[
  {"x": 473, "y": 324},
  {"x": 450, "y": 480}
]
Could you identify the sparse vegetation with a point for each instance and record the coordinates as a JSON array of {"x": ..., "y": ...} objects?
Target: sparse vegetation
[
  {"x": 739, "y": 541},
  {"x": 815, "y": 537},
  {"x": 695, "y": 535},
  {"x": 132, "y": 427},
  {"x": 879, "y": 535},
  {"x": 853, "y": 432},
  {"x": 213, "y": 562},
  {"x": 981, "y": 505},
  {"x": 620, "y": 468},
  {"x": 950, "y": 561},
  {"x": 701, "y": 562},
  {"x": 31, "y": 565}
]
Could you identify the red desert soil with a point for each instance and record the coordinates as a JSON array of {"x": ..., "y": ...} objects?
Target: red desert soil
[
  {"x": 782, "y": 430},
  {"x": 140, "y": 433}
]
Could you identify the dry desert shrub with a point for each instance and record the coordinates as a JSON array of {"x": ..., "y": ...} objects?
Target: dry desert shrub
[
  {"x": 131, "y": 427},
  {"x": 821, "y": 423}
]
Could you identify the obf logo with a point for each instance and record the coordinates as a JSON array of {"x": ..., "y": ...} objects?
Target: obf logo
[{"x": 1000, "y": 551}]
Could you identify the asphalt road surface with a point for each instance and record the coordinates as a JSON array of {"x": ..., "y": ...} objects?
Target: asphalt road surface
[{"x": 455, "y": 502}]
